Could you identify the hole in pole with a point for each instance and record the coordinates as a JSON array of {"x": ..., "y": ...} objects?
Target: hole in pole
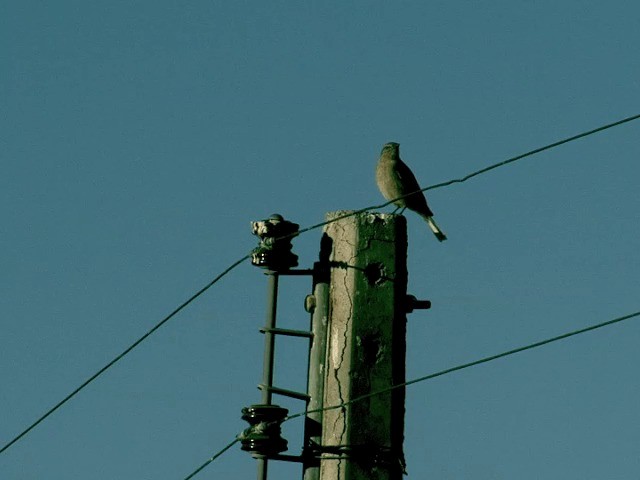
[{"x": 375, "y": 274}]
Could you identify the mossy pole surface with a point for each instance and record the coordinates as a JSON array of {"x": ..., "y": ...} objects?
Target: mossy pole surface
[{"x": 366, "y": 345}]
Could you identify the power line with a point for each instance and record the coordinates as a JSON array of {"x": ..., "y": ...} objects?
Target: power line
[
  {"x": 435, "y": 375},
  {"x": 201, "y": 467},
  {"x": 312, "y": 227},
  {"x": 479, "y": 172},
  {"x": 533, "y": 152},
  {"x": 471, "y": 364},
  {"x": 123, "y": 354},
  {"x": 477, "y": 362}
]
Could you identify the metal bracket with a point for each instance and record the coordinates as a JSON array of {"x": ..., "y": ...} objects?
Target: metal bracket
[
  {"x": 412, "y": 303},
  {"x": 287, "y": 332}
]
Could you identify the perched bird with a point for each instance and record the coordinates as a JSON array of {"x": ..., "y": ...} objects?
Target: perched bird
[{"x": 396, "y": 180}]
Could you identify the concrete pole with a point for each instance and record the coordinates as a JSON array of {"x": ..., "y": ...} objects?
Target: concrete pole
[{"x": 366, "y": 347}]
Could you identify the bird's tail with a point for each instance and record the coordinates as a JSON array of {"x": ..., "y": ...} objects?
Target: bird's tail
[{"x": 434, "y": 228}]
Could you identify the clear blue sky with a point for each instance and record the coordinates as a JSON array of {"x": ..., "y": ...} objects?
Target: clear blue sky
[{"x": 139, "y": 139}]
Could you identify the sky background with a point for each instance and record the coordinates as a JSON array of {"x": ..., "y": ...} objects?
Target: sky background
[{"x": 139, "y": 139}]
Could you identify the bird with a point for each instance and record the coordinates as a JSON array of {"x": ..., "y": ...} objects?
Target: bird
[{"x": 395, "y": 179}]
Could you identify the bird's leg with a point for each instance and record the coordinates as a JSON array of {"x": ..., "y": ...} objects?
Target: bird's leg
[{"x": 395, "y": 210}]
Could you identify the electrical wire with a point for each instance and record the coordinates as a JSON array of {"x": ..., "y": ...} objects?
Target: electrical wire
[
  {"x": 470, "y": 364},
  {"x": 435, "y": 375},
  {"x": 312, "y": 227},
  {"x": 478, "y": 172},
  {"x": 201, "y": 467},
  {"x": 477, "y": 362},
  {"x": 123, "y": 354},
  {"x": 534, "y": 151}
]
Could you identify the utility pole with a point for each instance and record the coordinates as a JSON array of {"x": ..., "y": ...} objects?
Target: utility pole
[
  {"x": 366, "y": 348},
  {"x": 357, "y": 336}
]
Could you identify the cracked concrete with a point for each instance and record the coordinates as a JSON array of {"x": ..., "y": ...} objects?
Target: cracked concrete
[{"x": 365, "y": 350}]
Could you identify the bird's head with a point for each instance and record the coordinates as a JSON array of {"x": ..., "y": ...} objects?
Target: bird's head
[{"x": 391, "y": 148}]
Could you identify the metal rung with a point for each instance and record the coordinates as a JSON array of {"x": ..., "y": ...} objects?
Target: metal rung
[
  {"x": 286, "y": 393},
  {"x": 288, "y": 332}
]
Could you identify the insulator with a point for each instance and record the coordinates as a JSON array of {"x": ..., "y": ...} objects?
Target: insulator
[
  {"x": 274, "y": 250},
  {"x": 263, "y": 437},
  {"x": 273, "y": 259}
]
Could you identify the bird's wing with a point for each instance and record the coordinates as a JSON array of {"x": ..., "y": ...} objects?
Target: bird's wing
[
  {"x": 416, "y": 202},
  {"x": 407, "y": 178}
]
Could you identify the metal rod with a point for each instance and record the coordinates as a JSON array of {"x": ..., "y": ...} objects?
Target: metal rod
[
  {"x": 287, "y": 458},
  {"x": 269, "y": 348},
  {"x": 285, "y": 392},
  {"x": 269, "y": 337},
  {"x": 315, "y": 385},
  {"x": 288, "y": 332}
]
